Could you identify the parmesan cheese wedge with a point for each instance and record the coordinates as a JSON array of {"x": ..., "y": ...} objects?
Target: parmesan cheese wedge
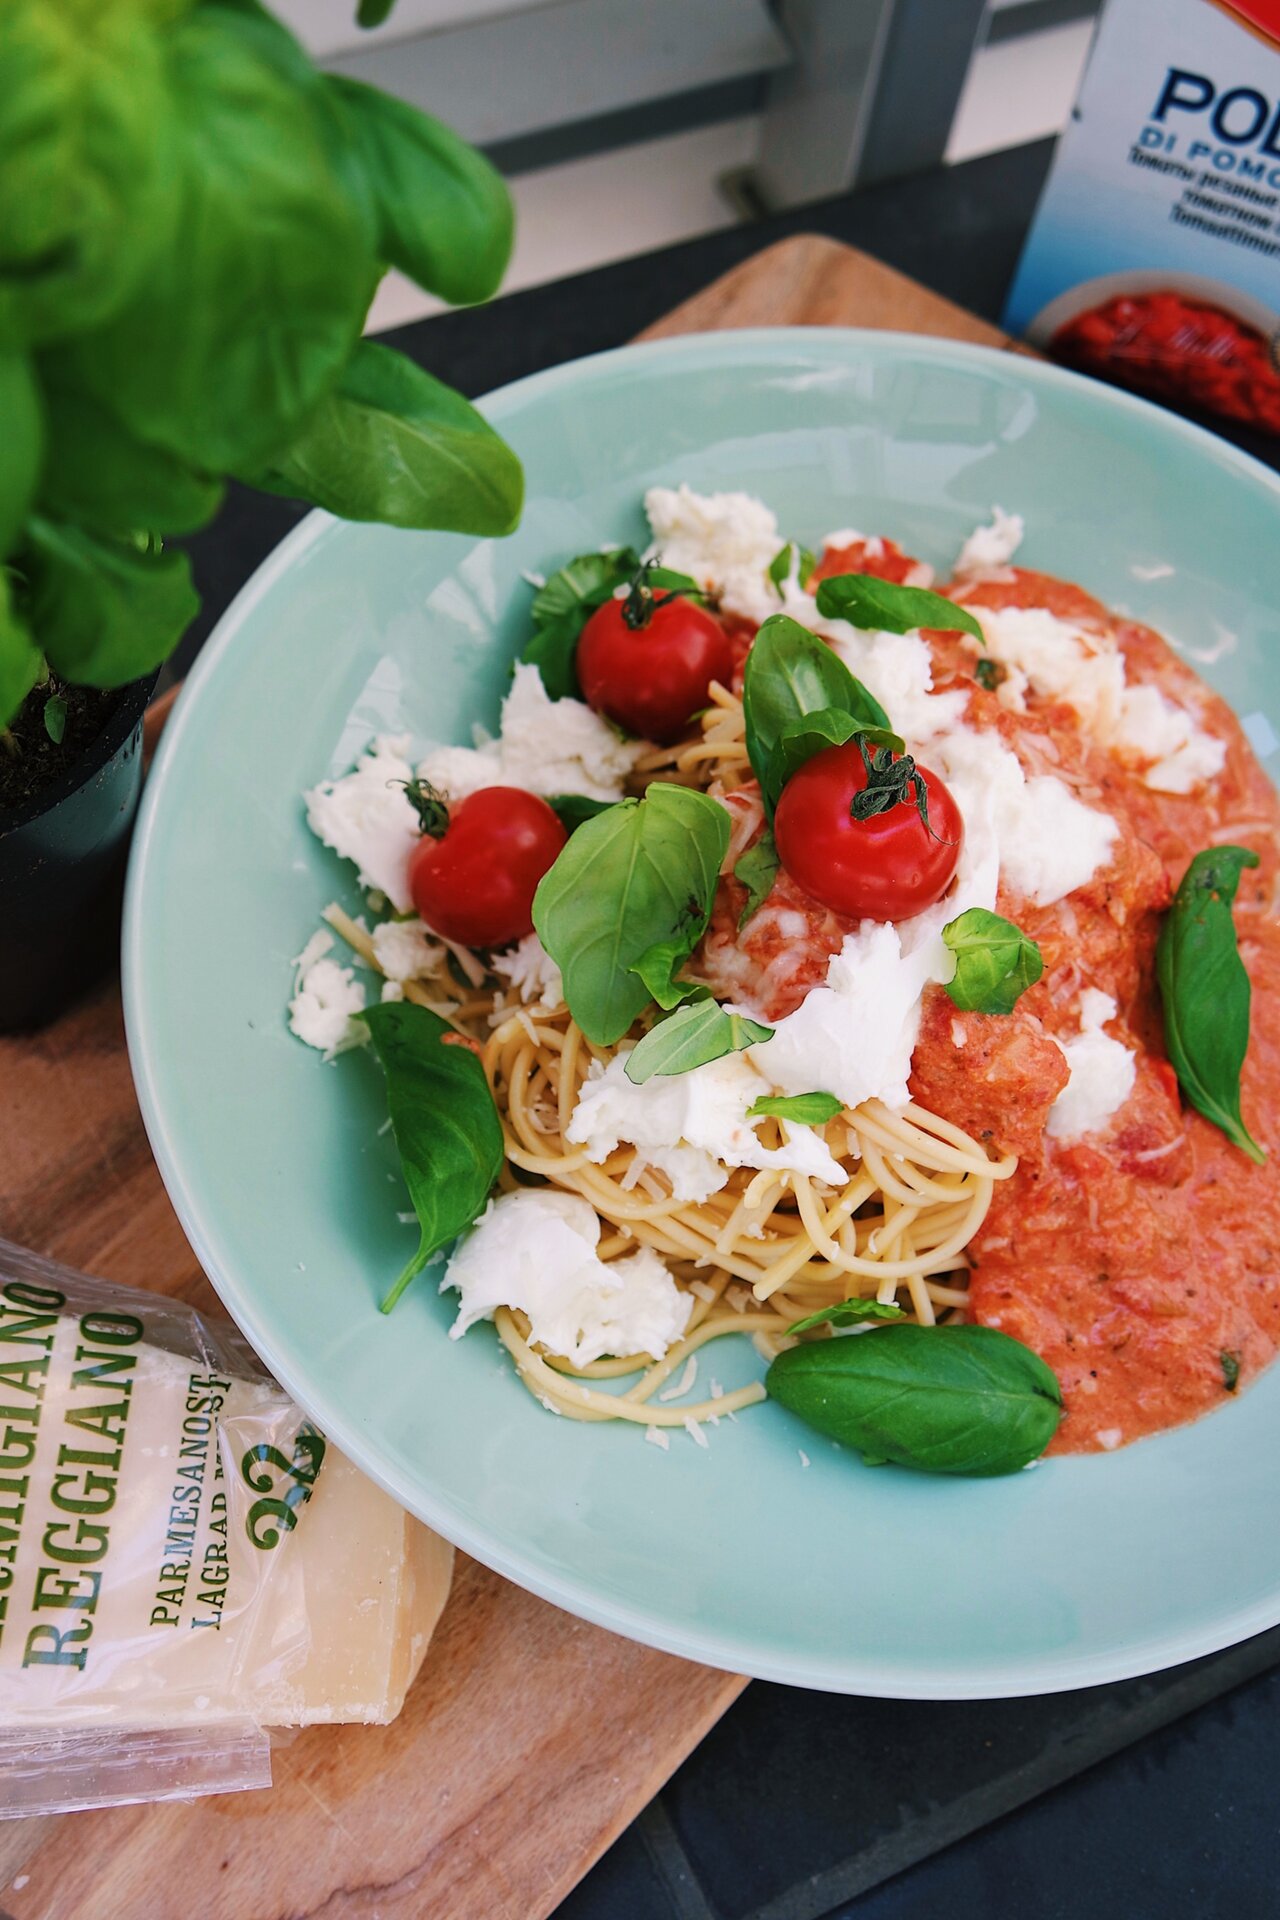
[{"x": 179, "y": 1546}]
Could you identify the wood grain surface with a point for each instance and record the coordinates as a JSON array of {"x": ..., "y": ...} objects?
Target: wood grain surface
[{"x": 531, "y": 1739}]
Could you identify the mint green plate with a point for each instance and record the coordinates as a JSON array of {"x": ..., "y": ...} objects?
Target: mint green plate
[{"x": 828, "y": 1574}]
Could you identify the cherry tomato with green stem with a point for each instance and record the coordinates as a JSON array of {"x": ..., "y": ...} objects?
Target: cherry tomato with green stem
[
  {"x": 646, "y": 661},
  {"x": 868, "y": 832},
  {"x": 474, "y": 873}
]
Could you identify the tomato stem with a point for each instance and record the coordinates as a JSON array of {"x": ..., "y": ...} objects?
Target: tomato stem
[
  {"x": 642, "y": 602},
  {"x": 430, "y": 806},
  {"x": 889, "y": 782}
]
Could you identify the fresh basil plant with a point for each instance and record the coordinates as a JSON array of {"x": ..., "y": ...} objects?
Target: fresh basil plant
[{"x": 195, "y": 220}]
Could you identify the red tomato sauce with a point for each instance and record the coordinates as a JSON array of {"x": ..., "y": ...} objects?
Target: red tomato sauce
[
  {"x": 1141, "y": 1262},
  {"x": 1178, "y": 349}
]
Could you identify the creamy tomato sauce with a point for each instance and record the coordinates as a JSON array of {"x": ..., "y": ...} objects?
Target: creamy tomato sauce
[{"x": 1142, "y": 1261}]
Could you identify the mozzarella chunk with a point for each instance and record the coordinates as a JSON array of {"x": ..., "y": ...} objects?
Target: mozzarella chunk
[
  {"x": 536, "y": 1250},
  {"x": 1063, "y": 661},
  {"x": 1102, "y": 1072},
  {"x": 991, "y": 547},
  {"x": 1048, "y": 843},
  {"x": 407, "y": 950},
  {"x": 529, "y": 968},
  {"x": 545, "y": 746},
  {"x": 701, "y": 1113},
  {"x": 724, "y": 541},
  {"x": 325, "y": 997},
  {"x": 366, "y": 817}
]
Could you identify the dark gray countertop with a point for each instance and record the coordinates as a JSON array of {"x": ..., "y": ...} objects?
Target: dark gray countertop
[{"x": 1152, "y": 1798}]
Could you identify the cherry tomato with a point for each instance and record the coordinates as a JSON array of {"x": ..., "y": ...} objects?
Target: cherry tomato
[
  {"x": 648, "y": 661},
  {"x": 475, "y": 883},
  {"x": 886, "y": 866}
]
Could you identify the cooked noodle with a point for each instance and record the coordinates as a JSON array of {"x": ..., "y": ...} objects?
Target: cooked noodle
[{"x": 769, "y": 1247}]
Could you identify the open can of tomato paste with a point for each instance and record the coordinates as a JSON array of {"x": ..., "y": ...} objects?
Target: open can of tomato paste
[{"x": 1154, "y": 257}]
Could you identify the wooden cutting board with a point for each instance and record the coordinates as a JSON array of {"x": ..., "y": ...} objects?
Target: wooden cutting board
[{"x": 531, "y": 1739}]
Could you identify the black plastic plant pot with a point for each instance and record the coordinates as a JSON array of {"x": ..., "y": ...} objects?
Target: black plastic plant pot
[{"x": 62, "y": 861}]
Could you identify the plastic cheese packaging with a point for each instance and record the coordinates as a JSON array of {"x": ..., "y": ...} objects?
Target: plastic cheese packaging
[{"x": 184, "y": 1560}]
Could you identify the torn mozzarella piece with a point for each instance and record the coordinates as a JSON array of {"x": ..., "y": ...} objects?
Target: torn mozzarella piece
[
  {"x": 536, "y": 1250},
  {"x": 724, "y": 541},
  {"x": 366, "y": 817},
  {"x": 1102, "y": 1072},
  {"x": 544, "y": 746},
  {"x": 992, "y": 547},
  {"x": 1061, "y": 660},
  {"x": 530, "y": 970},
  {"x": 407, "y": 950},
  {"x": 325, "y": 997},
  {"x": 693, "y": 1126}
]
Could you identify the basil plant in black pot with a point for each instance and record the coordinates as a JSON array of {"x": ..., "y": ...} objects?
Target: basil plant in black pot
[{"x": 193, "y": 221}]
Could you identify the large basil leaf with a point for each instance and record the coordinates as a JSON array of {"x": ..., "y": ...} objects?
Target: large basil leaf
[
  {"x": 24, "y": 439},
  {"x": 963, "y": 1399},
  {"x": 239, "y": 331},
  {"x": 756, "y": 870},
  {"x": 444, "y": 214},
  {"x": 88, "y": 139},
  {"x": 690, "y": 1037},
  {"x": 995, "y": 961},
  {"x": 849, "y": 1313},
  {"x": 1206, "y": 990},
  {"x": 574, "y": 808},
  {"x": 99, "y": 473},
  {"x": 562, "y": 608},
  {"x": 791, "y": 675},
  {"x": 391, "y": 443},
  {"x": 642, "y": 873},
  {"x": 20, "y": 658},
  {"x": 106, "y": 611},
  {"x": 445, "y": 1123},
  {"x": 864, "y": 600}
]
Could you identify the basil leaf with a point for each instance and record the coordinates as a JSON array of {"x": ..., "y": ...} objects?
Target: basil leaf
[
  {"x": 849, "y": 1313},
  {"x": 792, "y": 559},
  {"x": 790, "y": 674},
  {"x": 689, "y": 1038},
  {"x": 644, "y": 871},
  {"x": 864, "y": 600},
  {"x": 239, "y": 326},
  {"x": 20, "y": 658},
  {"x": 1206, "y": 990},
  {"x": 100, "y": 474},
  {"x": 55, "y": 717},
  {"x": 574, "y": 808},
  {"x": 806, "y": 1109},
  {"x": 756, "y": 870},
  {"x": 25, "y": 443},
  {"x": 106, "y": 611},
  {"x": 816, "y": 732},
  {"x": 963, "y": 1399},
  {"x": 444, "y": 1121},
  {"x": 390, "y": 443},
  {"x": 995, "y": 962},
  {"x": 443, "y": 212},
  {"x": 562, "y": 608},
  {"x": 657, "y": 968},
  {"x": 1229, "y": 1361}
]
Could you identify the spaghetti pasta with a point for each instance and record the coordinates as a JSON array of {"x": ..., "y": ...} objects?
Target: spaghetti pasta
[{"x": 765, "y": 1250}]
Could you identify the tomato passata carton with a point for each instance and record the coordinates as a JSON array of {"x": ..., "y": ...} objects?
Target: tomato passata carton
[{"x": 1154, "y": 258}]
